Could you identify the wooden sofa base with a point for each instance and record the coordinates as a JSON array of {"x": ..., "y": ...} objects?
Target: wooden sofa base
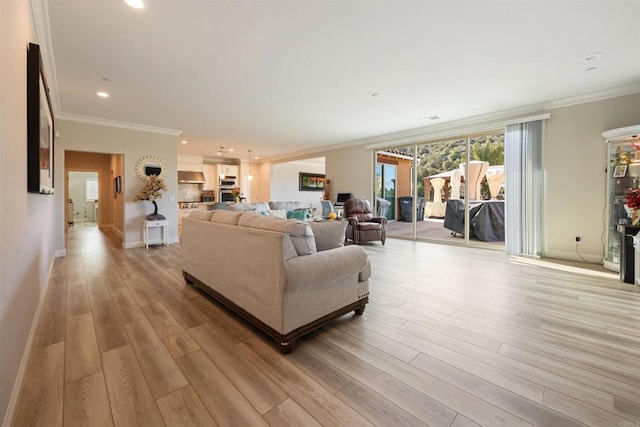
[{"x": 287, "y": 342}]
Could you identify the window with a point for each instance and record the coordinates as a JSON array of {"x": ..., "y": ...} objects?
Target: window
[{"x": 91, "y": 190}]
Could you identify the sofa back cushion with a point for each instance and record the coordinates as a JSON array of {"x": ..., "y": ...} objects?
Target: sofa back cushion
[
  {"x": 241, "y": 207},
  {"x": 226, "y": 217},
  {"x": 201, "y": 214},
  {"x": 328, "y": 234},
  {"x": 300, "y": 232},
  {"x": 287, "y": 206}
]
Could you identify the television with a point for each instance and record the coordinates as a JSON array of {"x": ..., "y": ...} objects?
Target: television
[{"x": 342, "y": 197}]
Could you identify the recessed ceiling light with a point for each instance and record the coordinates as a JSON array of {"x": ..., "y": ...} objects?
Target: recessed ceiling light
[
  {"x": 106, "y": 79},
  {"x": 230, "y": 149},
  {"x": 102, "y": 94},
  {"x": 136, "y": 4},
  {"x": 375, "y": 94},
  {"x": 591, "y": 69},
  {"x": 592, "y": 56},
  {"x": 434, "y": 117},
  {"x": 256, "y": 157},
  {"x": 184, "y": 141}
]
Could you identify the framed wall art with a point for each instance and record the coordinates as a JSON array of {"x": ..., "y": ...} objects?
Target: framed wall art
[
  {"x": 620, "y": 171},
  {"x": 311, "y": 181},
  {"x": 40, "y": 126}
]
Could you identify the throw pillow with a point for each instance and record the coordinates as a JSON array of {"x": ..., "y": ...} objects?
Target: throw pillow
[
  {"x": 301, "y": 215},
  {"x": 299, "y": 232},
  {"x": 328, "y": 234},
  {"x": 279, "y": 213}
]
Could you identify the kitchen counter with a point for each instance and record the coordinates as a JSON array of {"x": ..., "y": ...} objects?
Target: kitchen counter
[{"x": 207, "y": 206}]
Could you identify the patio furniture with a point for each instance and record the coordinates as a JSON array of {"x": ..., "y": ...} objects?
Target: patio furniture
[
  {"x": 405, "y": 208},
  {"x": 486, "y": 219},
  {"x": 436, "y": 208}
]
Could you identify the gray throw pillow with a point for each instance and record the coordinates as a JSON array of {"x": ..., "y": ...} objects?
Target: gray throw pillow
[{"x": 328, "y": 234}]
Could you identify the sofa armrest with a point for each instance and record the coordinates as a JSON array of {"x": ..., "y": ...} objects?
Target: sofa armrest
[
  {"x": 324, "y": 267},
  {"x": 353, "y": 221}
]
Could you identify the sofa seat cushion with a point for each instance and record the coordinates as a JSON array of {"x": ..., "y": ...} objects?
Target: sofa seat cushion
[
  {"x": 300, "y": 232},
  {"x": 226, "y": 217},
  {"x": 328, "y": 234}
]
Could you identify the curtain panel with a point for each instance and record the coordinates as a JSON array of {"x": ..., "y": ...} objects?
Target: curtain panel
[{"x": 524, "y": 185}]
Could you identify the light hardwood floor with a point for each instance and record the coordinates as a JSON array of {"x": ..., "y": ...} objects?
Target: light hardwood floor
[{"x": 452, "y": 337}]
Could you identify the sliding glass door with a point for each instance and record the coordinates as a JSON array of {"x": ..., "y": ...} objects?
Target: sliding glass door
[{"x": 441, "y": 196}]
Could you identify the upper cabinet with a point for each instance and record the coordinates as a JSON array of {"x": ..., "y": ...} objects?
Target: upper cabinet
[
  {"x": 190, "y": 163},
  {"x": 229, "y": 170},
  {"x": 210, "y": 176}
]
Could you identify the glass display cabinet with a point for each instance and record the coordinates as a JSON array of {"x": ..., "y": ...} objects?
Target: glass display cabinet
[{"x": 623, "y": 173}]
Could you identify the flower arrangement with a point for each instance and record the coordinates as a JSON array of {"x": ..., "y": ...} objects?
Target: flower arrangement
[
  {"x": 632, "y": 198},
  {"x": 235, "y": 192},
  {"x": 153, "y": 190}
]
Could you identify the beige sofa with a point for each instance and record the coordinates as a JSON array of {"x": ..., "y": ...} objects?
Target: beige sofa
[{"x": 277, "y": 274}]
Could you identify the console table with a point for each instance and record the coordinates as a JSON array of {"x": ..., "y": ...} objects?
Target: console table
[{"x": 146, "y": 225}]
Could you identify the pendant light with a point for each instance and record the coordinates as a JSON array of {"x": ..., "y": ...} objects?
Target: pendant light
[
  {"x": 222, "y": 154},
  {"x": 250, "y": 177}
]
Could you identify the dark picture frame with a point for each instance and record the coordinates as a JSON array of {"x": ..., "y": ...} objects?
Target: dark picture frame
[
  {"x": 311, "y": 181},
  {"x": 40, "y": 126},
  {"x": 619, "y": 171}
]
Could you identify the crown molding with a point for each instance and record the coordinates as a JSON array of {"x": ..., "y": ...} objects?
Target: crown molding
[
  {"x": 40, "y": 15},
  {"x": 491, "y": 121},
  {"x": 117, "y": 124},
  {"x": 474, "y": 124}
]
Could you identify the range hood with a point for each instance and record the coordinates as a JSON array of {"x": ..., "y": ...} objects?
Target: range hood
[{"x": 189, "y": 177}]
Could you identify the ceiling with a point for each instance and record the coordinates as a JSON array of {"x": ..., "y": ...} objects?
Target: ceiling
[{"x": 282, "y": 77}]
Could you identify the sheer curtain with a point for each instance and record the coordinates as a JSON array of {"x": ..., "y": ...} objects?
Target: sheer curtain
[{"x": 523, "y": 188}]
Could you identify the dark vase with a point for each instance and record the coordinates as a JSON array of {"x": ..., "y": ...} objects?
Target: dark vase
[{"x": 155, "y": 216}]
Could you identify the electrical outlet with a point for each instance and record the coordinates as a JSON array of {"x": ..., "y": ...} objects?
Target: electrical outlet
[{"x": 578, "y": 239}]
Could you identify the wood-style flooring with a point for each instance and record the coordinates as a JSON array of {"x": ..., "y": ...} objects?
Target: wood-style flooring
[{"x": 452, "y": 336}]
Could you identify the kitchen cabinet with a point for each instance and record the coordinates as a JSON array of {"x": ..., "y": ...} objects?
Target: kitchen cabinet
[
  {"x": 229, "y": 170},
  {"x": 623, "y": 173},
  {"x": 190, "y": 163},
  {"x": 211, "y": 177}
]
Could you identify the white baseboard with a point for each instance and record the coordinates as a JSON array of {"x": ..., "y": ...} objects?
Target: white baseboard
[
  {"x": 573, "y": 256},
  {"x": 17, "y": 385},
  {"x": 60, "y": 253},
  {"x": 131, "y": 245},
  {"x": 173, "y": 240}
]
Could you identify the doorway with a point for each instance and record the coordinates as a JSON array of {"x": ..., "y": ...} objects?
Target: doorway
[
  {"x": 83, "y": 201},
  {"x": 95, "y": 185}
]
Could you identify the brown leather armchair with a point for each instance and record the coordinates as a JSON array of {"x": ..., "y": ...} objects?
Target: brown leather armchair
[{"x": 363, "y": 226}]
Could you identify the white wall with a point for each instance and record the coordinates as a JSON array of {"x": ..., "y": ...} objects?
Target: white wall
[
  {"x": 575, "y": 160},
  {"x": 26, "y": 220},
  {"x": 133, "y": 144},
  {"x": 284, "y": 182},
  {"x": 574, "y": 167}
]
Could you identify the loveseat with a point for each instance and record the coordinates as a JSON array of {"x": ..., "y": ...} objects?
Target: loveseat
[{"x": 286, "y": 277}]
